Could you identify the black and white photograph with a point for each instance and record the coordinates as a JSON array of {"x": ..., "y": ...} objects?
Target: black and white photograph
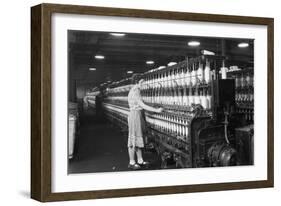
[
  {"x": 153, "y": 102},
  {"x": 133, "y": 102}
]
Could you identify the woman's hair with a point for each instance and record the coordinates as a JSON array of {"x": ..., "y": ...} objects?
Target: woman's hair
[{"x": 136, "y": 78}]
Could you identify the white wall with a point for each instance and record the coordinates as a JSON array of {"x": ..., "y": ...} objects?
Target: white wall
[{"x": 15, "y": 103}]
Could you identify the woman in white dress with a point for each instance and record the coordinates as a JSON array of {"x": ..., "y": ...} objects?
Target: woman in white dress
[{"x": 136, "y": 124}]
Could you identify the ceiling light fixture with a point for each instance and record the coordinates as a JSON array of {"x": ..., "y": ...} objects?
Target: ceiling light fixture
[
  {"x": 92, "y": 69},
  {"x": 193, "y": 43},
  {"x": 149, "y": 62},
  {"x": 172, "y": 63},
  {"x": 243, "y": 45},
  {"x": 117, "y": 34},
  {"x": 99, "y": 57},
  {"x": 130, "y": 72}
]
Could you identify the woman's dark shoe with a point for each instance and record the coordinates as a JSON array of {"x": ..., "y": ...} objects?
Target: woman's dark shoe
[
  {"x": 134, "y": 166},
  {"x": 144, "y": 164}
]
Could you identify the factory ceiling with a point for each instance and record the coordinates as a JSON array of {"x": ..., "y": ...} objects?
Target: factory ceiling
[{"x": 131, "y": 51}]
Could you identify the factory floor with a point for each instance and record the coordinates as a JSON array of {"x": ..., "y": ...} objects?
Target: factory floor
[{"x": 102, "y": 147}]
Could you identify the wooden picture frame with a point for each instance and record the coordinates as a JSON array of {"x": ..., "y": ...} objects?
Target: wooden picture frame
[{"x": 41, "y": 172}]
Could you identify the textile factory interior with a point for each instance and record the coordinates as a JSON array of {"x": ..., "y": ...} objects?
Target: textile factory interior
[{"x": 205, "y": 86}]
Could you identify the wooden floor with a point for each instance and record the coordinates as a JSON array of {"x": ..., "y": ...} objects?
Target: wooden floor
[{"x": 102, "y": 147}]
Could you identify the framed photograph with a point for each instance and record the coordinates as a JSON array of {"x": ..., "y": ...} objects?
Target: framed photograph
[{"x": 130, "y": 102}]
